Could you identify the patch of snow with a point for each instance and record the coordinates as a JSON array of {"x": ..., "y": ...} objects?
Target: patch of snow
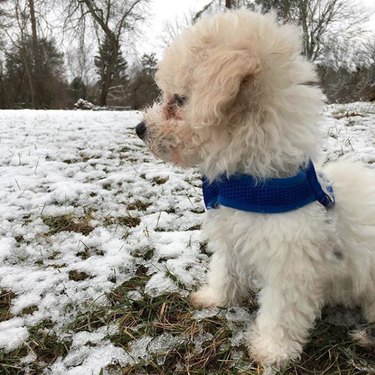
[
  {"x": 160, "y": 282},
  {"x": 13, "y": 333},
  {"x": 7, "y": 245}
]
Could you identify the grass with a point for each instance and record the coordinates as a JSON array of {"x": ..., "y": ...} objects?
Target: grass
[
  {"x": 330, "y": 350},
  {"x": 171, "y": 315},
  {"x": 29, "y": 310},
  {"x": 6, "y": 297},
  {"x": 78, "y": 275},
  {"x": 128, "y": 221},
  {"x": 199, "y": 346},
  {"x": 43, "y": 344},
  {"x": 68, "y": 223},
  {"x": 160, "y": 180},
  {"x": 346, "y": 114},
  {"x": 139, "y": 205},
  {"x": 89, "y": 251}
]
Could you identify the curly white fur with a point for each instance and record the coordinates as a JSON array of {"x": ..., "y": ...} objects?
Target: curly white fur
[{"x": 251, "y": 108}]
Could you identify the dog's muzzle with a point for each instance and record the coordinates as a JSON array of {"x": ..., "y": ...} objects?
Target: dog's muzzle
[{"x": 140, "y": 129}]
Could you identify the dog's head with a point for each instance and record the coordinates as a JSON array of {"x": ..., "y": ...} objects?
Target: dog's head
[{"x": 228, "y": 83}]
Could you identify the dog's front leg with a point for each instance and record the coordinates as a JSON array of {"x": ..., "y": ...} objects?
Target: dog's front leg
[
  {"x": 221, "y": 287},
  {"x": 288, "y": 309}
]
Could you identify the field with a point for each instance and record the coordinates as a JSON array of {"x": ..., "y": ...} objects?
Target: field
[{"x": 100, "y": 247}]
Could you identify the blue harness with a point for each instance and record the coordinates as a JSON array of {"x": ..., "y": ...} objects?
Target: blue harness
[{"x": 270, "y": 196}]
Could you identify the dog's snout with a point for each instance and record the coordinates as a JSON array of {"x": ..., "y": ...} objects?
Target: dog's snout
[{"x": 140, "y": 129}]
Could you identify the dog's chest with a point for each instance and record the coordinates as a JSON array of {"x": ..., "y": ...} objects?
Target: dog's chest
[
  {"x": 242, "y": 240},
  {"x": 252, "y": 244}
]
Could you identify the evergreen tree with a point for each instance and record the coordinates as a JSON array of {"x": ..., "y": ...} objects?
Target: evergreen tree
[
  {"x": 143, "y": 89},
  {"x": 51, "y": 70},
  {"x": 103, "y": 61},
  {"x": 149, "y": 63},
  {"x": 111, "y": 68},
  {"x": 78, "y": 89}
]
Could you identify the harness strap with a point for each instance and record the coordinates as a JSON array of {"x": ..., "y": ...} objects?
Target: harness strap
[{"x": 276, "y": 195}]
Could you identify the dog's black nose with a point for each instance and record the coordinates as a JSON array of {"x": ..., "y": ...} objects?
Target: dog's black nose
[{"x": 140, "y": 129}]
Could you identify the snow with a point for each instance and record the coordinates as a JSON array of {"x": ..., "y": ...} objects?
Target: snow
[
  {"x": 90, "y": 164},
  {"x": 12, "y": 333}
]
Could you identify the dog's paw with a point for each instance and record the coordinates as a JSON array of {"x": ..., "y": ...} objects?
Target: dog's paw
[
  {"x": 205, "y": 298},
  {"x": 270, "y": 352}
]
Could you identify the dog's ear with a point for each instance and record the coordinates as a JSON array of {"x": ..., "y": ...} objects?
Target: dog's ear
[{"x": 219, "y": 80}]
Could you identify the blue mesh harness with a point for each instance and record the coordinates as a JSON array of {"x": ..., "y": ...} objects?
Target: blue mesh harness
[{"x": 276, "y": 195}]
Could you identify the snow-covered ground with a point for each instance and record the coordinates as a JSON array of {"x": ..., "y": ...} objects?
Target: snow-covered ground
[{"x": 123, "y": 211}]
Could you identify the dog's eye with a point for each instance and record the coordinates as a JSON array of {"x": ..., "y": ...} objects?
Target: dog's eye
[{"x": 179, "y": 100}]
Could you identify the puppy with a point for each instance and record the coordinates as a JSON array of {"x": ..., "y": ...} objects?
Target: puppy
[{"x": 239, "y": 104}]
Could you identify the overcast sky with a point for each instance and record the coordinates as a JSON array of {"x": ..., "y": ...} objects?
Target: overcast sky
[{"x": 162, "y": 11}]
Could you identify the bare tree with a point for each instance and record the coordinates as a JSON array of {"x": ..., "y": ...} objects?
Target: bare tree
[
  {"x": 320, "y": 20},
  {"x": 2, "y": 23},
  {"x": 18, "y": 19},
  {"x": 21, "y": 22},
  {"x": 33, "y": 65},
  {"x": 78, "y": 33},
  {"x": 79, "y": 61},
  {"x": 113, "y": 18},
  {"x": 36, "y": 58},
  {"x": 173, "y": 28},
  {"x": 216, "y": 5},
  {"x": 2, "y": 11},
  {"x": 368, "y": 53}
]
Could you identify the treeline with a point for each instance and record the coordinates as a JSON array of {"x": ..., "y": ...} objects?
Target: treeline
[
  {"x": 132, "y": 87},
  {"x": 34, "y": 67},
  {"x": 41, "y": 69},
  {"x": 334, "y": 37},
  {"x": 129, "y": 87}
]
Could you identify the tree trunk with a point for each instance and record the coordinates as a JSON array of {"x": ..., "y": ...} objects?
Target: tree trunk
[
  {"x": 35, "y": 71},
  {"x": 104, "y": 90},
  {"x": 286, "y": 10},
  {"x": 109, "y": 73},
  {"x": 19, "y": 87},
  {"x": 228, "y": 4},
  {"x": 303, "y": 22},
  {"x": 29, "y": 75},
  {"x": 33, "y": 25}
]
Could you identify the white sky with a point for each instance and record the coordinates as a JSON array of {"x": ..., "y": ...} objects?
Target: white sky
[
  {"x": 162, "y": 11},
  {"x": 370, "y": 6}
]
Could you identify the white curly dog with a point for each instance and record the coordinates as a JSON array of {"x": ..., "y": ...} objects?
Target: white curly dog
[{"x": 238, "y": 100}]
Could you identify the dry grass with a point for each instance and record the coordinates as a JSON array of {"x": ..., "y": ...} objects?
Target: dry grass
[
  {"x": 139, "y": 205},
  {"x": 346, "y": 114},
  {"x": 171, "y": 314},
  {"x": 6, "y": 297},
  {"x": 128, "y": 221},
  {"x": 330, "y": 350},
  {"x": 68, "y": 223},
  {"x": 200, "y": 346}
]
